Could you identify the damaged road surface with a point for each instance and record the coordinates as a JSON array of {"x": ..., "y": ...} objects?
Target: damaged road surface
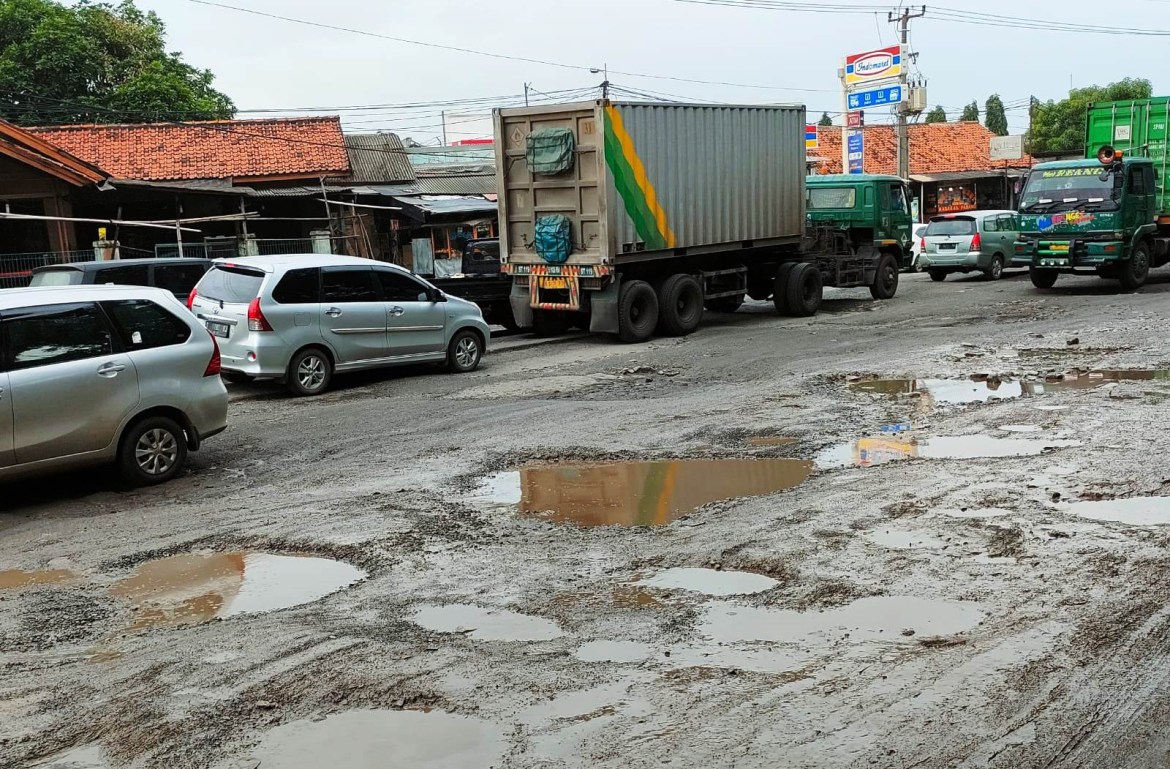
[{"x": 921, "y": 533}]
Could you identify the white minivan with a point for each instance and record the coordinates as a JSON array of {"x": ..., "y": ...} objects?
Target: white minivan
[{"x": 975, "y": 241}]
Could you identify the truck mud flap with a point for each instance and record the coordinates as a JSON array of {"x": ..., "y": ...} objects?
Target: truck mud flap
[
  {"x": 871, "y": 255},
  {"x": 519, "y": 299},
  {"x": 604, "y": 318}
]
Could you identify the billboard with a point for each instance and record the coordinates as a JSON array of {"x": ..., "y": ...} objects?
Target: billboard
[
  {"x": 810, "y": 136},
  {"x": 873, "y": 66}
]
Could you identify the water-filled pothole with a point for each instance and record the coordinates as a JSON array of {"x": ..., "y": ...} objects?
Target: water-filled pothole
[
  {"x": 195, "y": 588},
  {"x": 981, "y": 390},
  {"x": 383, "y": 739},
  {"x": 12, "y": 579},
  {"x": 710, "y": 581},
  {"x": 887, "y": 618},
  {"x": 896, "y": 539},
  {"x": 614, "y": 651},
  {"x": 868, "y": 452},
  {"x": 486, "y": 624},
  {"x": 1135, "y": 511},
  {"x": 638, "y": 493}
]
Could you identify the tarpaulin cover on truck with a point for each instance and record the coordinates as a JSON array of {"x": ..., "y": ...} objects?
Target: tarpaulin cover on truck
[
  {"x": 550, "y": 150},
  {"x": 554, "y": 239}
]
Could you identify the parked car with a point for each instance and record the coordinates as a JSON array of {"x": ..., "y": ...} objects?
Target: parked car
[
  {"x": 916, "y": 247},
  {"x": 178, "y": 276},
  {"x": 981, "y": 241},
  {"x": 95, "y": 374},
  {"x": 301, "y": 318}
]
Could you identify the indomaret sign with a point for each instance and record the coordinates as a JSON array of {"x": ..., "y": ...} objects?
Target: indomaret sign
[{"x": 873, "y": 66}]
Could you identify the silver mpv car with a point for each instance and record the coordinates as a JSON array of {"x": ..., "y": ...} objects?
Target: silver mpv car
[
  {"x": 94, "y": 374},
  {"x": 301, "y": 317}
]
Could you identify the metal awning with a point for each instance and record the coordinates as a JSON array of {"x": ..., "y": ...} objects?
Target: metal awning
[
  {"x": 961, "y": 176},
  {"x": 447, "y": 205}
]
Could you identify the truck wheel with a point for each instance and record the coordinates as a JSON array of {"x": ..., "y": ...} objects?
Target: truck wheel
[
  {"x": 938, "y": 276},
  {"x": 1133, "y": 272},
  {"x": 550, "y": 322},
  {"x": 805, "y": 290},
  {"x": 637, "y": 311},
  {"x": 680, "y": 305},
  {"x": 780, "y": 287},
  {"x": 885, "y": 282},
  {"x": 1043, "y": 278},
  {"x": 724, "y": 304},
  {"x": 995, "y": 270}
]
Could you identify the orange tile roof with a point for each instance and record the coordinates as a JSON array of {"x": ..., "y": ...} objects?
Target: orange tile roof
[
  {"x": 221, "y": 149},
  {"x": 935, "y": 148}
]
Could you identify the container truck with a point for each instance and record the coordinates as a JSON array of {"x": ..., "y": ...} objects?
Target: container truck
[
  {"x": 631, "y": 218},
  {"x": 1108, "y": 214}
]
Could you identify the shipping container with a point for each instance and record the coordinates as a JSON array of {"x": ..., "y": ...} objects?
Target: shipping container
[{"x": 1137, "y": 128}]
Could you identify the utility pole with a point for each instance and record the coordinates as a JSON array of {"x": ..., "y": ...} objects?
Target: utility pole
[
  {"x": 526, "y": 86},
  {"x": 903, "y": 21}
]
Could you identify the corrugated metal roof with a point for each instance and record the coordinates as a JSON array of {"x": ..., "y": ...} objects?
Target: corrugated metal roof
[
  {"x": 957, "y": 176},
  {"x": 378, "y": 158},
  {"x": 457, "y": 185},
  {"x": 448, "y": 204}
]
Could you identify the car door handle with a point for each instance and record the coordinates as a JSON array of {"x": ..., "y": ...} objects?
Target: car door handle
[
  {"x": 333, "y": 312},
  {"x": 396, "y": 312},
  {"x": 111, "y": 370}
]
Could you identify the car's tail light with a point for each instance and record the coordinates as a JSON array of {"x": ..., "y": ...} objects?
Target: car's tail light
[
  {"x": 977, "y": 242},
  {"x": 191, "y": 299},
  {"x": 256, "y": 319},
  {"x": 922, "y": 245},
  {"x": 215, "y": 365}
]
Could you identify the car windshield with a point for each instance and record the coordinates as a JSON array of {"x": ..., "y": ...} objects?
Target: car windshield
[
  {"x": 831, "y": 197},
  {"x": 233, "y": 284},
  {"x": 952, "y": 225},
  {"x": 56, "y": 278},
  {"x": 1063, "y": 189}
]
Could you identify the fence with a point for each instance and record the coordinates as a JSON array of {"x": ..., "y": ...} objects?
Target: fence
[{"x": 16, "y": 269}]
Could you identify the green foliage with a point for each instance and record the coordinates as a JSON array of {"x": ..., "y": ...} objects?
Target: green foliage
[
  {"x": 995, "y": 116},
  {"x": 937, "y": 115},
  {"x": 970, "y": 113},
  {"x": 825, "y": 120},
  {"x": 96, "y": 62},
  {"x": 1059, "y": 126}
]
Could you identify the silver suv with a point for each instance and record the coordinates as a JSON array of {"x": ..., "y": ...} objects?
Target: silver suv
[
  {"x": 94, "y": 374},
  {"x": 299, "y": 318}
]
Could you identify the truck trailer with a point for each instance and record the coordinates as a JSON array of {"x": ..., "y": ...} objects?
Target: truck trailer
[{"x": 632, "y": 218}]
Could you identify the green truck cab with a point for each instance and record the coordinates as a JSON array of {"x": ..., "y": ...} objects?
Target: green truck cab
[
  {"x": 874, "y": 209},
  {"x": 1108, "y": 214}
]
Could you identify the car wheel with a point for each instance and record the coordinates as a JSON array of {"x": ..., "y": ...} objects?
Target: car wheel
[
  {"x": 1043, "y": 278},
  {"x": 885, "y": 282},
  {"x": 995, "y": 270},
  {"x": 464, "y": 352},
  {"x": 938, "y": 276},
  {"x": 153, "y": 451},
  {"x": 1133, "y": 272},
  {"x": 680, "y": 305},
  {"x": 309, "y": 372},
  {"x": 637, "y": 311}
]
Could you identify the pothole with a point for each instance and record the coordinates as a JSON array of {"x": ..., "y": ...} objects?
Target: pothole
[
  {"x": 195, "y": 588},
  {"x": 614, "y": 651},
  {"x": 876, "y": 618},
  {"x": 1135, "y": 511},
  {"x": 383, "y": 739},
  {"x": 1020, "y": 428},
  {"x": 975, "y": 512},
  {"x": 710, "y": 581},
  {"x": 905, "y": 540},
  {"x": 868, "y": 452},
  {"x": 640, "y": 493},
  {"x": 959, "y": 391},
  {"x": 13, "y": 579},
  {"x": 486, "y": 624}
]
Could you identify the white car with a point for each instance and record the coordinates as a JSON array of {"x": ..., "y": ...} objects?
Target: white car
[{"x": 916, "y": 246}]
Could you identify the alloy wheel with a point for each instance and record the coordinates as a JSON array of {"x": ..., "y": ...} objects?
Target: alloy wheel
[{"x": 156, "y": 452}]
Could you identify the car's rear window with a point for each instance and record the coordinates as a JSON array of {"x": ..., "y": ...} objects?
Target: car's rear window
[
  {"x": 952, "y": 225},
  {"x": 56, "y": 278},
  {"x": 237, "y": 285}
]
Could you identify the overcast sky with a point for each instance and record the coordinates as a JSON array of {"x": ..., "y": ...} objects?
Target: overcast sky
[{"x": 267, "y": 63}]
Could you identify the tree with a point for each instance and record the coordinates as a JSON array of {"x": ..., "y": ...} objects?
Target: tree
[
  {"x": 970, "y": 113},
  {"x": 937, "y": 115},
  {"x": 825, "y": 120},
  {"x": 995, "y": 116},
  {"x": 1059, "y": 126},
  {"x": 96, "y": 62}
]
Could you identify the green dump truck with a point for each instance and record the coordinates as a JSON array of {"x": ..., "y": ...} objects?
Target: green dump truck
[
  {"x": 873, "y": 209},
  {"x": 632, "y": 218},
  {"x": 1109, "y": 214}
]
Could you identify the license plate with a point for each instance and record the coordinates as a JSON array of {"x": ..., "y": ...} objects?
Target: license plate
[
  {"x": 946, "y": 246},
  {"x": 219, "y": 329},
  {"x": 554, "y": 282}
]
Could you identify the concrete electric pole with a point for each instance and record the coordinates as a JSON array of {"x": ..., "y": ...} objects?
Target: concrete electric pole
[{"x": 903, "y": 21}]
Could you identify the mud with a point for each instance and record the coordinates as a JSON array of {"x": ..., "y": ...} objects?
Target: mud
[{"x": 13, "y": 579}]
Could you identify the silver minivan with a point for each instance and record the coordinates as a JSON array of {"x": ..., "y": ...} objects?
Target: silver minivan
[
  {"x": 300, "y": 318},
  {"x": 95, "y": 374},
  {"x": 976, "y": 241}
]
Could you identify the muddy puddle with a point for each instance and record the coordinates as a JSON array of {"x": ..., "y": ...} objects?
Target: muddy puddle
[
  {"x": 195, "y": 588},
  {"x": 13, "y": 579},
  {"x": 869, "y": 452},
  {"x": 905, "y": 540},
  {"x": 878, "y": 618},
  {"x": 953, "y": 392},
  {"x": 486, "y": 624},
  {"x": 710, "y": 582},
  {"x": 1134, "y": 511},
  {"x": 638, "y": 493},
  {"x": 383, "y": 739},
  {"x": 614, "y": 651}
]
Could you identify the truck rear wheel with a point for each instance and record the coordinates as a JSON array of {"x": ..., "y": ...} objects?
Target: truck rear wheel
[
  {"x": 805, "y": 290},
  {"x": 1043, "y": 278},
  {"x": 780, "y": 288},
  {"x": 1133, "y": 272},
  {"x": 680, "y": 305},
  {"x": 885, "y": 282},
  {"x": 637, "y": 311}
]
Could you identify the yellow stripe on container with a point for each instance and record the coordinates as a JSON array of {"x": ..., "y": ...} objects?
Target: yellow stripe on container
[{"x": 627, "y": 144}]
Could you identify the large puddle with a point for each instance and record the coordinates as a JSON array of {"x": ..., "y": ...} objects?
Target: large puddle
[
  {"x": 383, "y": 739},
  {"x": 196, "y": 588},
  {"x": 868, "y": 452},
  {"x": 1135, "y": 511},
  {"x": 887, "y": 618},
  {"x": 639, "y": 493},
  {"x": 486, "y": 624},
  {"x": 710, "y": 581},
  {"x": 950, "y": 392},
  {"x": 12, "y": 579}
]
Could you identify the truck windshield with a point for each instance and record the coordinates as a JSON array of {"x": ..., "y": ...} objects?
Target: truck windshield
[
  {"x": 1063, "y": 189},
  {"x": 831, "y": 197}
]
